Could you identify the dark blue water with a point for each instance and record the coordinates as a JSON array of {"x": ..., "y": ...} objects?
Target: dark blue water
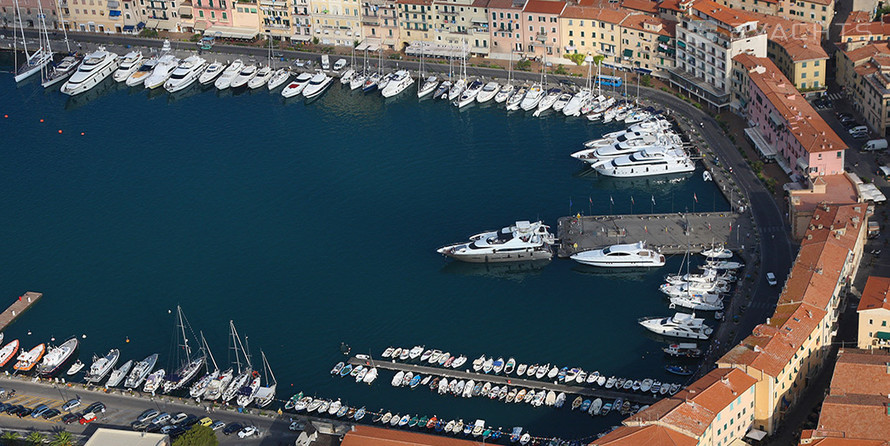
[{"x": 315, "y": 224}]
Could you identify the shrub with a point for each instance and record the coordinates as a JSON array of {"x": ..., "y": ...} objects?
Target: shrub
[
  {"x": 577, "y": 58},
  {"x": 149, "y": 33},
  {"x": 646, "y": 81},
  {"x": 524, "y": 65}
]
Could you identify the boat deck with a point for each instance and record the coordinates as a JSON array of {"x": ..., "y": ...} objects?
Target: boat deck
[
  {"x": 20, "y": 305},
  {"x": 666, "y": 233},
  {"x": 592, "y": 392}
]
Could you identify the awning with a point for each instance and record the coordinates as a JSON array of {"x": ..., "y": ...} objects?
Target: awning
[
  {"x": 643, "y": 70},
  {"x": 362, "y": 46},
  {"x": 885, "y": 171},
  {"x": 129, "y": 28},
  {"x": 185, "y": 10},
  {"x": 140, "y": 25},
  {"x": 201, "y": 25},
  {"x": 883, "y": 335},
  {"x": 301, "y": 37},
  {"x": 870, "y": 192},
  {"x": 765, "y": 149},
  {"x": 755, "y": 434},
  {"x": 664, "y": 39},
  {"x": 231, "y": 32},
  {"x": 628, "y": 53},
  {"x": 570, "y": 48},
  {"x": 114, "y": 13}
]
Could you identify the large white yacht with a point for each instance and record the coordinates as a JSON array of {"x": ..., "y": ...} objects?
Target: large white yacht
[
  {"x": 532, "y": 97},
  {"x": 504, "y": 93},
  {"x": 646, "y": 162},
  {"x": 573, "y": 108},
  {"x": 94, "y": 69},
  {"x": 621, "y": 256},
  {"x": 400, "y": 81},
  {"x": 621, "y": 136},
  {"x": 128, "y": 65},
  {"x": 262, "y": 78},
  {"x": 162, "y": 71},
  {"x": 244, "y": 76},
  {"x": 57, "y": 356},
  {"x": 225, "y": 79},
  {"x": 101, "y": 366},
  {"x": 680, "y": 325},
  {"x": 185, "y": 74},
  {"x": 469, "y": 95},
  {"x": 488, "y": 92},
  {"x": 296, "y": 86},
  {"x": 211, "y": 73},
  {"x": 142, "y": 73},
  {"x": 319, "y": 83},
  {"x": 521, "y": 242},
  {"x": 616, "y": 149},
  {"x": 697, "y": 301}
]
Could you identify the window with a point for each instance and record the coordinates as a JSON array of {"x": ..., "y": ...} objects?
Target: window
[{"x": 224, "y": 16}]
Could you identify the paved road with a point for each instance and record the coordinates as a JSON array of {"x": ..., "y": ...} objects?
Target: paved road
[{"x": 123, "y": 409}]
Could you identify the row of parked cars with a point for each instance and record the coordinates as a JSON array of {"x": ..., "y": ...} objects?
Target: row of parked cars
[
  {"x": 88, "y": 415},
  {"x": 152, "y": 420}
]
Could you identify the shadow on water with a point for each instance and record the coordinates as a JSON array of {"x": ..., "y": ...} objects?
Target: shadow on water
[
  {"x": 636, "y": 274},
  {"x": 104, "y": 88},
  {"x": 658, "y": 184},
  {"x": 505, "y": 270},
  {"x": 192, "y": 90}
]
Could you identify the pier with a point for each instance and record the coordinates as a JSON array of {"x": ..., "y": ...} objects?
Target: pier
[
  {"x": 668, "y": 233},
  {"x": 21, "y": 304},
  {"x": 607, "y": 394}
]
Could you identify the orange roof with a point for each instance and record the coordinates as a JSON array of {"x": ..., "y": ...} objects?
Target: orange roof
[
  {"x": 504, "y": 4},
  {"x": 807, "y": 127},
  {"x": 801, "y": 40},
  {"x": 544, "y": 6},
  {"x": 652, "y": 435},
  {"x": 640, "y": 5},
  {"x": 640, "y": 21},
  {"x": 861, "y": 372},
  {"x": 837, "y": 189},
  {"x": 835, "y": 441},
  {"x": 858, "y": 17},
  {"x": 374, "y": 436},
  {"x": 670, "y": 5},
  {"x": 692, "y": 410},
  {"x": 720, "y": 13},
  {"x": 866, "y": 29},
  {"x": 856, "y": 416},
  {"x": 607, "y": 15},
  {"x": 874, "y": 295}
]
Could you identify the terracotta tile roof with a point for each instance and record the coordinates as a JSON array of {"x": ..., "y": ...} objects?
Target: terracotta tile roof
[
  {"x": 504, "y": 4},
  {"x": 834, "y": 441},
  {"x": 807, "y": 127},
  {"x": 859, "y": 17},
  {"x": 644, "y": 435},
  {"x": 840, "y": 224},
  {"x": 374, "y": 436},
  {"x": 720, "y": 13},
  {"x": 670, "y": 5},
  {"x": 607, "y": 15},
  {"x": 640, "y": 5},
  {"x": 819, "y": 2},
  {"x": 856, "y": 416},
  {"x": 874, "y": 295},
  {"x": 862, "y": 372},
  {"x": 801, "y": 40},
  {"x": 415, "y": 2},
  {"x": 480, "y": 3},
  {"x": 866, "y": 52},
  {"x": 856, "y": 29},
  {"x": 544, "y": 6},
  {"x": 692, "y": 410},
  {"x": 648, "y": 23}
]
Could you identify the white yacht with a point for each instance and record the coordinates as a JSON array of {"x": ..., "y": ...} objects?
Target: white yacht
[
  {"x": 140, "y": 371},
  {"x": 319, "y": 83},
  {"x": 561, "y": 102},
  {"x": 97, "y": 66},
  {"x": 211, "y": 72},
  {"x": 647, "y": 162},
  {"x": 573, "y": 108},
  {"x": 546, "y": 102},
  {"x": 504, "y": 93},
  {"x": 218, "y": 384},
  {"x": 680, "y": 325},
  {"x": 621, "y": 256},
  {"x": 262, "y": 78},
  {"x": 488, "y": 92},
  {"x": 244, "y": 76},
  {"x": 697, "y": 301},
  {"x": 154, "y": 381},
  {"x": 128, "y": 65},
  {"x": 398, "y": 83},
  {"x": 225, "y": 79},
  {"x": 521, "y": 242},
  {"x": 358, "y": 80},
  {"x": 296, "y": 86},
  {"x": 185, "y": 74},
  {"x": 62, "y": 70},
  {"x": 162, "y": 71},
  {"x": 717, "y": 252},
  {"x": 279, "y": 78},
  {"x": 346, "y": 77},
  {"x": 532, "y": 97},
  {"x": 620, "y": 136},
  {"x": 140, "y": 75},
  {"x": 101, "y": 366},
  {"x": 515, "y": 100},
  {"x": 469, "y": 95},
  {"x": 617, "y": 149},
  {"x": 428, "y": 86},
  {"x": 118, "y": 375},
  {"x": 457, "y": 89},
  {"x": 57, "y": 356}
]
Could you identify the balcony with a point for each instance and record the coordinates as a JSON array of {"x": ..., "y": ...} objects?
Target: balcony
[
  {"x": 370, "y": 20},
  {"x": 541, "y": 37},
  {"x": 113, "y": 4}
]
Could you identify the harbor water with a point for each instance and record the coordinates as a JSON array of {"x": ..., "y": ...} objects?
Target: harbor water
[{"x": 315, "y": 224}]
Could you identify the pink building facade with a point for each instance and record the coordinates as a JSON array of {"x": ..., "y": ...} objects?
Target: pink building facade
[
  {"x": 505, "y": 26},
  {"x": 540, "y": 28},
  {"x": 208, "y": 13}
]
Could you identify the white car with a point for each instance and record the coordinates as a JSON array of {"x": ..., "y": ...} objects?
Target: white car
[
  {"x": 771, "y": 279},
  {"x": 248, "y": 431}
]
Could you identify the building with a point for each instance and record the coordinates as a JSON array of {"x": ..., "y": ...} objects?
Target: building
[
  {"x": 856, "y": 411},
  {"x": 812, "y": 11},
  {"x": 336, "y": 22},
  {"x": 864, "y": 73},
  {"x": 594, "y": 31},
  {"x": 416, "y": 18},
  {"x": 116, "y": 437},
  {"x": 540, "y": 29},
  {"x": 31, "y": 11},
  {"x": 796, "y": 48},
  {"x": 708, "y": 37},
  {"x": 769, "y": 7},
  {"x": 647, "y": 44},
  {"x": 361, "y": 435},
  {"x": 459, "y": 23},
  {"x": 874, "y": 315},
  {"x": 787, "y": 351},
  {"x": 275, "y": 18},
  {"x": 209, "y": 13},
  {"x": 504, "y": 24},
  {"x": 717, "y": 409},
  {"x": 380, "y": 23},
  {"x": 784, "y": 126},
  {"x": 857, "y": 33},
  {"x": 102, "y": 16},
  {"x": 802, "y": 202}
]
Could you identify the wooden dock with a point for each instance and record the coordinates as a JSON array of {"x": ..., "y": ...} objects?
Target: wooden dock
[
  {"x": 667, "y": 233},
  {"x": 21, "y": 304},
  {"x": 592, "y": 392}
]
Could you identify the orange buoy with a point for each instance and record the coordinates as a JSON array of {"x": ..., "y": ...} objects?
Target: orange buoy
[{"x": 60, "y": 132}]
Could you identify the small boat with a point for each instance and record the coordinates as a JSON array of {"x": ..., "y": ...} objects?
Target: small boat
[
  {"x": 550, "y": 399},
  {"x": 293, "y": 401},
  {"x": 525, "y": 439},
  {"x": 415, "y": 352},
  {"x": 407, "y": 378},
  {"x": 262, "y": 78},
  {"x": 498, "y": 366},
  {"x": 386, "y": 418},
  {"x": 292, "y": 89},
  {"x": 413, "y": 421},
  {"x": 317, "y": 86},
  {"x": 443, "y": 358},
  {"x": 314, "y": 405},
  {"x": 553, "y": 372},
  {"x": 324, "y": 406},
  {"x": 477, "y": 363},
  {"x": 560, "y": 400},
  {"x": 140, "y": 371},
  {"x": 646, "y": 385},
  {"x": 404, "y": 355},
  {"x": 606, "y": 408},
  {"x": 431, "y": 423},
  {"x": 585, "y": 405},
  {"x": 347, "y": 369},
  {"x": 521, "y": 369},
  {"x": 244, "y": 76},
  {"x": 617, "y": 404},
  {"x": 683, "y": 349},
  {"x": 595, "y": 407},
  {"x": 359, "y": 414},
  {"x": 520, "y": 397},
  {"x": 337, "y": 368},
  {"x": 674, "y": 388},
  {"x": 511, "y": 395},
  {"x": 458, "y": 427},
  {"x": 532, "y": 369},
  {"x": 395, "y": 420},
  {"x": 119, "y": 374},
  {"x": 128, "y": 65},
  {"x": 334, "y": 407},
  {"x": 76, "y": 367},
  {"x": 717, "y": 252},
  {"x": 577, "y": 403},
  {"x": 388, "y": 352},
  {"x": 707, "y": 176},
  {"x": 397, "y": 380},
  {"x": 28, "y": 359},
  {"x": 342, "y": 411},
  {"x": 448, "y": 362},
  {"x": 461, "y": 360},
  {"x": 57, "y": 356},
  {"x": 515, "y": 434},
  {"x": 678, "y": 370},
  {"x": 415, "y": 381}
]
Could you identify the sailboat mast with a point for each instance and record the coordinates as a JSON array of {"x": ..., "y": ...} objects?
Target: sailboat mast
[
  {"x": 18, "y": 11},
  {"x": 185, "y": 339},
  {"x": 209, "y": 353},
  {"x": 62, "y": 22},
  {"x": 234, "y": 334},
  {"x": 510, "y": 70}
]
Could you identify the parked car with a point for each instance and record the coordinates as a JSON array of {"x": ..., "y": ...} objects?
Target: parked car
[
  {"x": 297, "y": 426},
  {"x": 178, "y": 418},
  {"x": 161, "y": 418},
  {"x": 232, "y": 428},
  {"x": 88, "y": 418},
  {"x": 13, "y": 409},
  {"x": 771, "y": 279},
  {"x": 248, "y": 431},
  {"x": 4, "y": 407},
  {"x": 206, "y": 421},
  {"x": 70, "y": 418},
  {"x": 218, "y": 425},
  {"x": 24, "y": 412},
  {"x": 166, "y": 429},
  {"x": 190, "y": 421},
  {"x": 96, "y": 407},
  {"x": 71, "y": 404},
  {"x": 875, "y": 144},
  {"x": 50, "y": 414},
  {"x": 147, "y": 415},
  {"x": 39, "y": 410}
]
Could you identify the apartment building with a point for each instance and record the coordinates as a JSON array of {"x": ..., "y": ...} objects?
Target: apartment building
[
  {"x": 770, "y": 7},
  {"x": 717, "y": 409},
  {"x": 784, "y": 126},
  {"x": 856, "y": 33},
  {"x": 594, "y": 31},
  {"x": 812, "y": 11},
  {"x": 796, "y": 48},
  {"x": 864, "y": 73},
  {"x": 708, "y": 37},
  {"x": 301, "y": 20},
  {"x": 540, "y": 29},
  {"x": 336, "y": 22},
  {"x": 874, "y": 314},
  {"x": 31, "y": 11},
  {"x": 380, "y": 23},
  {"x": 416, "y": 21},
  {"x": 102, "y": 16},
  {"x": 459, "y": 23},
  {"x": 505, "y": 24},
  {"x": 208, "y": 13},
  {"x": 647, "y": 44}
]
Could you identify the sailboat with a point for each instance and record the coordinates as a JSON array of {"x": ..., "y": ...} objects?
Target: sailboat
[
  {"x": 347, "y": 75},
  {"x": 35, "y": 61},
  {"x": 199, "y": 388},
  {"x": 581, "y": 98},
  {"x": 358, "y": 79},
  {"x": 266, "y": 394},
  {"x": 426, "y": 85},
  {"x": 244, "y": 375},
  {"x": 189, "y": 366},
  {"x": 64, "y": 68},
  {"x": 264, "y": 74},
  {"x": 442, "y": 91},
  {"x": 507, "y": 90},
  {"x": 461, "y": 84}
]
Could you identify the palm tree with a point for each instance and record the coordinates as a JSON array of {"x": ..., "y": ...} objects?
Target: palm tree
[
  {"x": 62, "y": 438},
  {"x": 36, "y": 438},
  {"x": 9, "y": 437}
]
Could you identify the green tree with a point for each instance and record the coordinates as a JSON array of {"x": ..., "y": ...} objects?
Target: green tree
[
  {"x": 577, "y": 58},
  {"x": 598, "y": 59},
  {"x": 62, "y": 438},
  {"x": 36, "y": 438},
  {"x": 197, "y": 436},
  {"x": 524, "y": 65},
  {"x": 10, "y": 438}
]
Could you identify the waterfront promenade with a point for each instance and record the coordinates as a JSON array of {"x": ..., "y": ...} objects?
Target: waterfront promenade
[{"x": 21, "y": 304}]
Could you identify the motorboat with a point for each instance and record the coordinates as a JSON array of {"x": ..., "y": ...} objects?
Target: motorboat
[
  {"x": 162, "y": 71},
  {"x": 118, "y": 375},
  {"x": 621, "y": 136},
  {"x": 457, "y": 89},
  {"x": 428, "y": 86},
  {"x": 469, "y": 95},
  {"x": 8, "y": 352},
  {"x": 62, "y": 70},
  {"x": 95, "y": 67},
  {"x": 646, "y": 162},
  {"x": 532, "y": 97},
  {"x": 218, "y": 384},
  {"x": 398, "y": 83},
  {"x": 573, "y": 107},
  {"x": 384, "y": 81},
  {"x": 624, "y": 148},
  {"x": 57, "y": 356},
  {"x": 516, "y": 99},
  {"x": 211, "y": 73},
  {"x": 153, "y": 381},
  {"x": 561, "y": 102},
  {"x": 723, "y": 265},
  {"x": 547, "y": 101},
  {"x": 140, "y": 75},
  {"x": 296, "y": 86},
  {"x": 317, "y": 85},
  {"x": 678, "y": 370},
  {"x": 128, "y": 65},
  {"x": 697, "y": 301},
  {"x": 522, "y": 241},
  {"x": 279, "y": 78},
  {"x": 228, "y": 75},
  {"x": 621, "y": 256},
  {"x": 28, "y": 359},
  {"x": 442, "y": 90},
  {"x": 358, "y": 80},
  {"x": 76, "y": 367},
  {"x": 140, "y": 371},
  {"x": 717, "y": 252},
  {"x": 185, "y": 74},
  {"x": 346, "y": 77},
  {"x": 680, "y": 325},
  {"x": 683, "y": 350},
  {"x": 488, "y": 92},
  {"x": 244, "y": 76},
  {"x": 676, "y": 289},
  {"x": 262, "y": 78},
  {"x": 504, "y": 93},
  {"x": 101, "y": 366}
]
